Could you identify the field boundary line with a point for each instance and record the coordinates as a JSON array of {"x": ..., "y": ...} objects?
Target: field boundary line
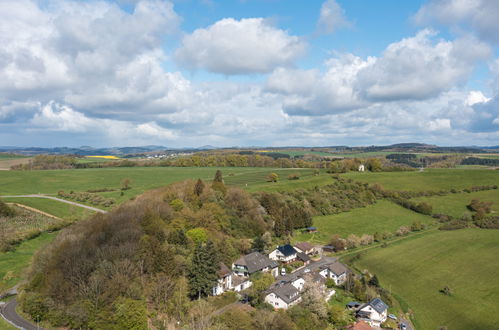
[{"x": 29, "y": 208}]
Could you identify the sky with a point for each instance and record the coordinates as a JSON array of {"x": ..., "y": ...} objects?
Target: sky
[{"x": 189, "y": 73}]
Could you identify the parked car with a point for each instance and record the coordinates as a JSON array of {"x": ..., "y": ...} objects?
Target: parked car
[
  {"x": 393, "y": 317},
  {"x": 283, "y": 271},
  {"x": 403, "y": 326},
  {"x": 244, "y": 299}
]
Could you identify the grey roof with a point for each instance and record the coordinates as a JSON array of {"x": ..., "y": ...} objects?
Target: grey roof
[
  {"x": 287, "y": 250},
  {"x": 303, "y": 257},
  {"x": 304, "y": 246},
  {"x": 378, "y": 305},
  {"x": 337, "y": 268},
  {"x": 287, "y": 292},
  {"x": 255, "y": 262},
  {"x": 223, "y": 270}
]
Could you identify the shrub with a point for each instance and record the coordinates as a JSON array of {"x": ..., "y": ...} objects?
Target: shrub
[{"x": 5, "y": 210}]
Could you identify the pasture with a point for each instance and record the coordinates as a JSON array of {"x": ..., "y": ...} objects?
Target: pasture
[
  {"x": 455, "y": 204},
  {"x": 58, "y": 209},
  {"x": 429, "y": 180},
  {"x": 416, "y": 269},
  {"x": 380, "y": 217},
  {"x": 14, "y": 263}
]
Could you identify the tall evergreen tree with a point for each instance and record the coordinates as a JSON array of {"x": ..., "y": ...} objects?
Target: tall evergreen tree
[
  {"x": 199, "y": 187},
  {"x": 218, "y": 183},
  {"x": 203, "y": 271}
]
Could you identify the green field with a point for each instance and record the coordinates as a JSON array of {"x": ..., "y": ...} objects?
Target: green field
[
  {"x": 18, "y": 260},
  {"x": 294, "y": 153},
  {"x": 59, "y": 209},
  {"x": 380, "y": 217},
  {"x": 7, "y": 156},
  {"x": 6, "y": 326},
  {"x": 430, "y": 179},
  {"x": 455, "y": 204},
  {"x": 416, "y": 269}
]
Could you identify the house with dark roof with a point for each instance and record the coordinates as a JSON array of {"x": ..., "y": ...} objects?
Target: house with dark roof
[
  {"x": 254, "y": 262},
  {"x": 284, "y": 253},
  {"x": 336, "y": 271},
  {"x": 374, "y": 312},
  {"x": 305, "y": 247},
  {"x": 224, "y": 282},
  {"x": 283, "y": 296}
]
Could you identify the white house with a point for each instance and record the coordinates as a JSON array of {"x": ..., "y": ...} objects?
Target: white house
[
  {"x": 224, "y": 282},
  {"x": 284, "y": 253},
  {"x": 374, "y": 312},
  {"x": 254, "y": 262},
  {"x": 362, "y": 168},
  {"x": 283, "y": 296},
  {"x": 336, "y": 271},
  {"x": 240, "y": 283}
]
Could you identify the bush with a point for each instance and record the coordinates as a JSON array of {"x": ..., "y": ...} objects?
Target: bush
[
  {"x": 293, "y": 177},
  {"x": 5, "y": 210}
]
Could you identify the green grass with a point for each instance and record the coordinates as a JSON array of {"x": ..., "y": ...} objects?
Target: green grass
[
  {"x": 58, "y": 209},
  {"x": 294, "y": 153},
  {"x": 142, "y": 178},
  {"x": 363, "y": 154},
  {"x": 257, "y": 181},
  {"x": 18, "y": 260},
  {"x": 416, "y": 269},
  {"x": 380, "y": 217},
  {"x": 430, "y": 179},
  {"x": 4, "y": 325},
  {"x": 455, "y": 204}
]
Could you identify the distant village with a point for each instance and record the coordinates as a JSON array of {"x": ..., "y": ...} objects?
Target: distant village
[{"x": 287, "y": 289}]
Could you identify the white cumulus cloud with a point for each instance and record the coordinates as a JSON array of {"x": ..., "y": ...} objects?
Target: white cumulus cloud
[
  {"x": 230, "y": 46},
  {"x": 332, "y": 17}
]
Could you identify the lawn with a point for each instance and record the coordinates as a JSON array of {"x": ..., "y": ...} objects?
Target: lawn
[
  {"x": 58, "y": 209},
  {"x": 430, "y": 179},
  {"x": 455, "y": 204},
  {"x": 380, "y": 217},
  {"x": 416, "y": 269},
  {"x": 14, "y": 263},
  {"x": 4, "y": 325}
]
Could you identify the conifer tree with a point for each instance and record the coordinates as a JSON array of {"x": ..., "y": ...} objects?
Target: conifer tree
[
  {"x": 199, "y": 187},
  {"x": 203, "y": 271},
  {"x": 218, "y": 183}
]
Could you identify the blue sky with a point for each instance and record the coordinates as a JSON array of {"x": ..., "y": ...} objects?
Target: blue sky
[{"x": 248, "y": 72}]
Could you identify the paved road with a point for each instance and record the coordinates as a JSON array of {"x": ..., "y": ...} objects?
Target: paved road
[
  {"x": 59, "y": 200},
  {"x": 8, "y": 312}
]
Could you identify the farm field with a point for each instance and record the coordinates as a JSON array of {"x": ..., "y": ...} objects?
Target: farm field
[
  {"x": 294, "y": 153},
  {"x": 455, "y": 204},
  {"x": 15, "y": 262},
  {"x": 430, "y": 179},
  {"x": 380, "y": 217},
  {"x": 5, "y": 164},
  {"x": 142, "y": 178},
  {"x": 59, "y": 209},
  {"x": 416, "y": 269}
]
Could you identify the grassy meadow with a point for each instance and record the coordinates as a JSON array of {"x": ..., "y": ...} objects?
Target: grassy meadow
[
  {"x": 58, "y": 209},
  {"x": 380, "y": 217},
  {"x": 14, "y": 263},
  {"x": 455, "y": 204},
  {"x": 430, "y": 179},
  {"x": 416, "y": 269}
]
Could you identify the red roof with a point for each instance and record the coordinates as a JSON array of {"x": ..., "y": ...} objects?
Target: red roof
[{"x": 361, "y": 325}]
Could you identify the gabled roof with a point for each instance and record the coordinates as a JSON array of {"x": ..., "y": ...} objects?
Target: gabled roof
[
  {"x": 223, "y": 270},
  {"x": 287, "y": 292},
  {"x": 287, "y": 250},
  {"x": 337, "y": 268},
  {"x": 361, "y": 325},
  {"x": 304, "y": 246},
  {"x": 255, "y": 262},
  {"x": 378, "y": 305}
]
